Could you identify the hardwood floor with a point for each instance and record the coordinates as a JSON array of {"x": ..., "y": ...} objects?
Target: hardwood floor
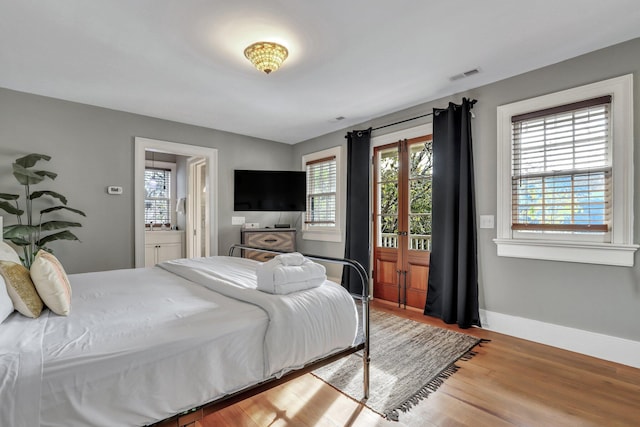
[{"x": 510, "y": 382}]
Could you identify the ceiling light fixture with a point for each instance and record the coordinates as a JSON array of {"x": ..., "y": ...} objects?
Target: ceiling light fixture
[{"x": 266, "y": 56}]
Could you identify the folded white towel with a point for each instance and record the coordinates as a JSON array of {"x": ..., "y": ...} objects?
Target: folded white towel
[
  {"x": 293, "y": 258},
  {"x": 276, "y": 278}
]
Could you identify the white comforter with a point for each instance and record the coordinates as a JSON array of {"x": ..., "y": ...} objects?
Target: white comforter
[
  {"x": 303, "y": 326},
  {"x": 141, "y": 345}
]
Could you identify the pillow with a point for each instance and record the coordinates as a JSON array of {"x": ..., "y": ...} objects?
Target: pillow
[
  {"x": 7, "y": 253},
  {"x": 6, "y": 305},
  {"x": 51, "y": 282},
  {"x": 20, "y": 289}
]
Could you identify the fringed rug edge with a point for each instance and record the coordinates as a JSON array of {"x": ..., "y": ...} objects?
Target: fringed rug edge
[{"x": 433, "y": 385}]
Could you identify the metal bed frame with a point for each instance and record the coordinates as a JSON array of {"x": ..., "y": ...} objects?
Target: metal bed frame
[{"x": 227, "y": 400}]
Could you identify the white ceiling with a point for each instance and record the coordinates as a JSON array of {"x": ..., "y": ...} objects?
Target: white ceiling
[{"x": 183, "y": 60}]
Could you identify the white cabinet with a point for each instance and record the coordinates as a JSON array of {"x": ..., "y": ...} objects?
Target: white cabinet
[{"x": 162, "y": 246}]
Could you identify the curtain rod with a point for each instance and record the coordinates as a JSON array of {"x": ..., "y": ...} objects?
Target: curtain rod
[
  {"x": 473, "y": 101},
  {"x": 402, "y": 121}
]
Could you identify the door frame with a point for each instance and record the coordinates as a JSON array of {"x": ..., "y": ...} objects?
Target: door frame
[
  {"x": 377, "y": 141},
  {"x": 141, "y": 145},
  {"x": 194, "y": 195}
]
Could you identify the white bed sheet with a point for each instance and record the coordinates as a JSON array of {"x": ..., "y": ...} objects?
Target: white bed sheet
[{"x": 138, "y": 346}]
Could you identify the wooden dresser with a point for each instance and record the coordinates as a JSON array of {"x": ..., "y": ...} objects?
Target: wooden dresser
[{"x": 278, "y": 239}]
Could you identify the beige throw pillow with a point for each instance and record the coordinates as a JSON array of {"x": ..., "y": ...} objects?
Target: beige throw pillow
[
  {"x": 20, "y": 289},
  {"x": 7, "y": 253},
  {"x": 6, "y": 305},
  {"x": 52, "y": 282}
]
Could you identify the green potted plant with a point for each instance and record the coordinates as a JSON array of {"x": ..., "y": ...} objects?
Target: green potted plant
[{"x": 33, "y": 234}]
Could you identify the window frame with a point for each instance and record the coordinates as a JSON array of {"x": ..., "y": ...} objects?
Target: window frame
[
  {"x": 325, "y": 233},
  {"x": 171, "y": 167},
  {"x": 620, "y": 251}
]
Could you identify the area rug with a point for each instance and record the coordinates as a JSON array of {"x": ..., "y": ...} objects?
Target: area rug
[{"x": 409, "y": 361}]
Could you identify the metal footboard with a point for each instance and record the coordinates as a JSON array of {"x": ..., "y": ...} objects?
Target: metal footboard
[{"x": 364, "y": 298}]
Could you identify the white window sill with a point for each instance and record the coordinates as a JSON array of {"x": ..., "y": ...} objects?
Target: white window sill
[
  {"x": 588, "y": 253},
  {"x": 323, "y": 236}
]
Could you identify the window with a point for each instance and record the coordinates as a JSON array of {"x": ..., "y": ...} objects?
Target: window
[
  {"x": 565, "y": 178},
  {"x": 321, "y": 192},
  {"x": 561, "y": 171},
  {"x": 321, "y": 221},
  {"x": 159, "y": 189}
]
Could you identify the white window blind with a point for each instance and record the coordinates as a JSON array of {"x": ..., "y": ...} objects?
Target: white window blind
[
  {"x": 321, "y": 192},
  {"x": 561, "y": 168},
  {"x": 157, "y": 203}
]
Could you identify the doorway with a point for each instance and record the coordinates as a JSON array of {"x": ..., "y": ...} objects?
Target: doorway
[
  {"x": 198, "y": 209},
  {"x": 402, "y": 220},
  {"x": 207, "y": 158}
]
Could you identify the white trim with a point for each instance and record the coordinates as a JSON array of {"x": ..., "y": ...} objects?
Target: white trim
[
  {"x": 143, "y": 144},
  {"x": 607, "y": 347},
  {"x": 334, "y": 233},
  {"x": 621, "y": 249},
  {"x": 584, "y": 252}
]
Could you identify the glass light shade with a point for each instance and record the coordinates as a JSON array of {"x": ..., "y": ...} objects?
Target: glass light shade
[{"x": 266, "y": 56}]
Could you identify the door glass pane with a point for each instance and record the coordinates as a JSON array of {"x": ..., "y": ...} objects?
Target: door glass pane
[
  {"x": 388, "y": 164},
  {"x": 388, "y": 233},
  {"x": 420, "y": 171},
  {"x": 388, "y": 173},
  {"x": 388, "y": 203},
  {"x": 421, "y": 160},
  {"x": 420, "y": 196},
  {"x": 420, "y": 232}
]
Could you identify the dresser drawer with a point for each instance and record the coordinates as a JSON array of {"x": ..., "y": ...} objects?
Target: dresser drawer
[{"x": 278, "y": 240}]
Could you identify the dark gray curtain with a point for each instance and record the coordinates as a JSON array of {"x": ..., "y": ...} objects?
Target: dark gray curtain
[
  {"x": 357, "y": 236},
  {"x": 453, "y": 272}
]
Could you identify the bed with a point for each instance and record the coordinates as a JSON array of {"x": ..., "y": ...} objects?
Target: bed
[{"x": 145, "y": 345}]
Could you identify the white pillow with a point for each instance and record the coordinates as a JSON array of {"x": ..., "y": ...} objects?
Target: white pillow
[
  {"x": 7, "y": 253},
  {"x": 51, "y": 282},
  {"x": 6, "y": 305}
]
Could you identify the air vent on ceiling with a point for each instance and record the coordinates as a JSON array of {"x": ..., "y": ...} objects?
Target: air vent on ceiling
[{"x": 465, "y": 74}]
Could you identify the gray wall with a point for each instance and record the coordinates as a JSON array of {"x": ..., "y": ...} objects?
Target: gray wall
[
  {"x": 93, "y": 147},
  {"x": 596, "y": 298}
]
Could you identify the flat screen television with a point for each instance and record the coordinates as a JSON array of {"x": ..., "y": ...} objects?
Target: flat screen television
[{"x": 258, "y": 190}]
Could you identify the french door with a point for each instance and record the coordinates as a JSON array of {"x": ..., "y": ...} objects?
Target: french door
[{"x": 402, "y": 221}]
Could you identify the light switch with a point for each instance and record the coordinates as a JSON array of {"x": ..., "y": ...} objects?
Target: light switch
[
  {"x": 486, "y": 221},
  {"x": 237, "y": 220}
]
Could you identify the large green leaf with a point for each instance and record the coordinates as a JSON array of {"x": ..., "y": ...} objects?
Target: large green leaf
[
  {"x": 31, "y": 159},
  {"x": 48, "y": 174},
  {"x": 19, "y": 230},
  {"x": 10, "y": 209},
  {"x": 56, "y": 208},
  {"x": 6, "y": 196},
  {"x": 25, "y": 176},
  {"x": 18, "y": 241},
  {"x": 63, "y": 235},
  {"x": 58, "y": 196},
  {"x": 56, "y": 225}
]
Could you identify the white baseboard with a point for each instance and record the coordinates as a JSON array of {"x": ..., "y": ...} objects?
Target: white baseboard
[{"x": 619, "y": 350}]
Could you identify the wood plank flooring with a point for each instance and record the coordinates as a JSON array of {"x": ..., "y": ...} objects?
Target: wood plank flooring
[{"x": 511, "y": 382}]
